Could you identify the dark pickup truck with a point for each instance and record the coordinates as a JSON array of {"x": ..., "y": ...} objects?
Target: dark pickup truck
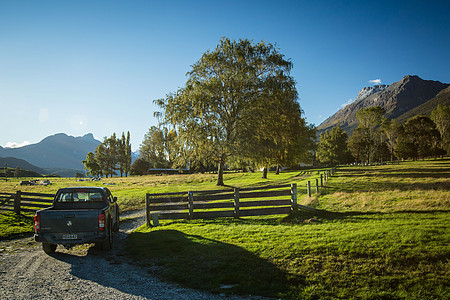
[{"x": 78, "y": 215}]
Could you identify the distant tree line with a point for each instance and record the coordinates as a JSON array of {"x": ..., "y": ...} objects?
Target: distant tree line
[
  {"x": 112, "y": 155},
  {"x": 378, "y": 139}
]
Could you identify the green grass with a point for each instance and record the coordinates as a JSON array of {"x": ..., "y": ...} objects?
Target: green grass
[
  {"x": 12, "y": 225},
  {"x": 384, "y": 235},
  {"x": 131, "y": 191}
]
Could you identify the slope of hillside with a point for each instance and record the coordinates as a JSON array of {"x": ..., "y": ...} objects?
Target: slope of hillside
[
  {"x": 13, "y": 162},
  {"x": 56, "y": 151},
  {"x": 425, "y": 109},
  {"x": 397, "y": 99}
]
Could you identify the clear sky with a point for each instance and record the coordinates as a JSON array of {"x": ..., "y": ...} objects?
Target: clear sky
[{"x": 82, "y": 67}]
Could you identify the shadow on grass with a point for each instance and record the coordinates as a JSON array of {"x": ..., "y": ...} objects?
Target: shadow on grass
[
  {"x": 200, "y": 263},
  {"x": 317, "y": 216}
]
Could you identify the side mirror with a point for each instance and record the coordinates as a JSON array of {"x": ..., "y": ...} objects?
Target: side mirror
[{"x": 115, "y": 199}]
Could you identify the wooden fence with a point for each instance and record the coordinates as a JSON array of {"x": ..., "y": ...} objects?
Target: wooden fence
[
  {"x": 228, "y": 203},
  {"x": 221, "y": 203},
  {"x": 24, "y": 201}
]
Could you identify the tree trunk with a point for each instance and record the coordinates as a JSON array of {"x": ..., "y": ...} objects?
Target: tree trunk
[
  {"x": 278, "y": 170},
  {"x": 220, "y": 172},
  {"x": 264, "y": 176}
]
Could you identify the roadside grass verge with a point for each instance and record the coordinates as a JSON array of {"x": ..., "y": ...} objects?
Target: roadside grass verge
[
  {"x": 12, "y": 225},
  {"x": 382, "y": 233}
]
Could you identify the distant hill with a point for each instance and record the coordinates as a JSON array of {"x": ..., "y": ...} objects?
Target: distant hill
[
  {"x": 13, "y": 163},
  {"x": 398, "y": 99},
  {"x": 425, "y": 109},
  {"x": 57, "y": 151}
]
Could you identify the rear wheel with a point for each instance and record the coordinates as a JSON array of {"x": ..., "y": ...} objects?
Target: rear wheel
[
  {"x": 116, "y": 225},
  {"x": 49, "y": 248}
]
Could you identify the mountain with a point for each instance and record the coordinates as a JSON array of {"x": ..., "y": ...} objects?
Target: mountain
[
  {"x": 367, "y": 91},
  {"x": 13, "y": 162},
  {"x": 397, "y": 99},
  {"x": 57, "y": 151},
  {"x": 425, "y": 109}
]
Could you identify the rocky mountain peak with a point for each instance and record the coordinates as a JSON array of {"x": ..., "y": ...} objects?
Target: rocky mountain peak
[
  {"x": 396, "y": 99},
  {"x": 369, "y": 90}
]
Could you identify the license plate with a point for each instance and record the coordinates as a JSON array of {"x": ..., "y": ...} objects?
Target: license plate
[{"x": 69, "y": 236}]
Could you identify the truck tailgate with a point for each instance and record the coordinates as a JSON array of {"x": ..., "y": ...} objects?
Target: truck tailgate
[{"x": 67, "y": 221}]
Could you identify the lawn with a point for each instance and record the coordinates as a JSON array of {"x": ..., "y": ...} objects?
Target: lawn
[{"x": 384, "y": 235}]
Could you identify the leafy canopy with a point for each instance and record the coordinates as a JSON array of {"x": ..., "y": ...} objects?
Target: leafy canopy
[{"x": 218, "y": 114}]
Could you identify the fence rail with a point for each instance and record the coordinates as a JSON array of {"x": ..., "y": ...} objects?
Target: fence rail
[
  {"x": 221, "y": 203},
  {"x": 254, "y": 201},
  {"x": 24, "y": 201}
]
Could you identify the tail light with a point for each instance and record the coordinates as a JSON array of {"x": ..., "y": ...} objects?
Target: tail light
[
  {"x": 37, "y": 223},
  {"x": 101, "y": 221}
]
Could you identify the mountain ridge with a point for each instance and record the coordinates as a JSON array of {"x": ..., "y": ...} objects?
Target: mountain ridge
[
  {"x": 397, "y": 99},
  {"x": 55, "y": 151}
]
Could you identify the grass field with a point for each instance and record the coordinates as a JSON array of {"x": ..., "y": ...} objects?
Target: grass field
[
  {"x": 382, "y": 233},
  {"x": 131, "y": 191},
  {"x": 385, "y": 235}
]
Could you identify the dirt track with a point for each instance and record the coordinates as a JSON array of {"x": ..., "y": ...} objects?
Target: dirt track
[{"x": 83, "y": 272}]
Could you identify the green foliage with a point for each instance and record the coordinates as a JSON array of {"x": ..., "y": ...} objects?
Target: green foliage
[
  {"x": 140, "y": 167},
  {"x": 156, "y": 147},
  {"x": 230, "y": 94},
  {"x": 332, "y": 148},
  {"x": 124, "y": 154},
  {"x": 365, "y": 139},
  {"x": 441, "y": 117},
  {"x": 91, "y": 165},
  {"x": 419, "y": 138},
  {"x": 111, "y": 155},
  {"x": 390, "y": 130}
]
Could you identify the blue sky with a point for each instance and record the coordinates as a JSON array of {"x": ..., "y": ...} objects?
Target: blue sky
[{"x": 96, "y": 66}]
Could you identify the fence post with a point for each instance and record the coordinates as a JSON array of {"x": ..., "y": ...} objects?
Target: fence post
[
  {"x": 155, "y": 219},
  {"x": 317, "y": 185},
  {"x": 293, "y": 196},
  {"x": 308, "y": 188},
  {"x": 321, "y": 180},
  {"x": 147, "y": 209},
  {"x": 191, "y": 205},
  {"x": 17, "y": 200},
  {"x": 236, "y": 202}
]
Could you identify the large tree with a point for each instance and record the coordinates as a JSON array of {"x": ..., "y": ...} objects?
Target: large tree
[
  {"x": 332, "y": 148},
  {"x": 441, "y": 117},
  {"x": 91, "y": 165},
  {"x": 418, "y": 138},
  {"x": 124, "y": 154},
  {"x": 226, "y": 91},
  {"x": 369, "y": 121},
  {"x": 390, "y": 130},
  {"x": 155, "y": 147}
]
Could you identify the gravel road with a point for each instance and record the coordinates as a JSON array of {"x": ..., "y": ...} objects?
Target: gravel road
[{"x": 83, "y": 272}]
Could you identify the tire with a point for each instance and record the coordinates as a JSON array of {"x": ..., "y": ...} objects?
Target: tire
[
  {"x": 49, "y": 248},
  {"x": 117, "y": 224}
]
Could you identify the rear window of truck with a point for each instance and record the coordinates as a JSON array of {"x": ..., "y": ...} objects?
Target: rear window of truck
[{"x": 79, "y": 196}]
